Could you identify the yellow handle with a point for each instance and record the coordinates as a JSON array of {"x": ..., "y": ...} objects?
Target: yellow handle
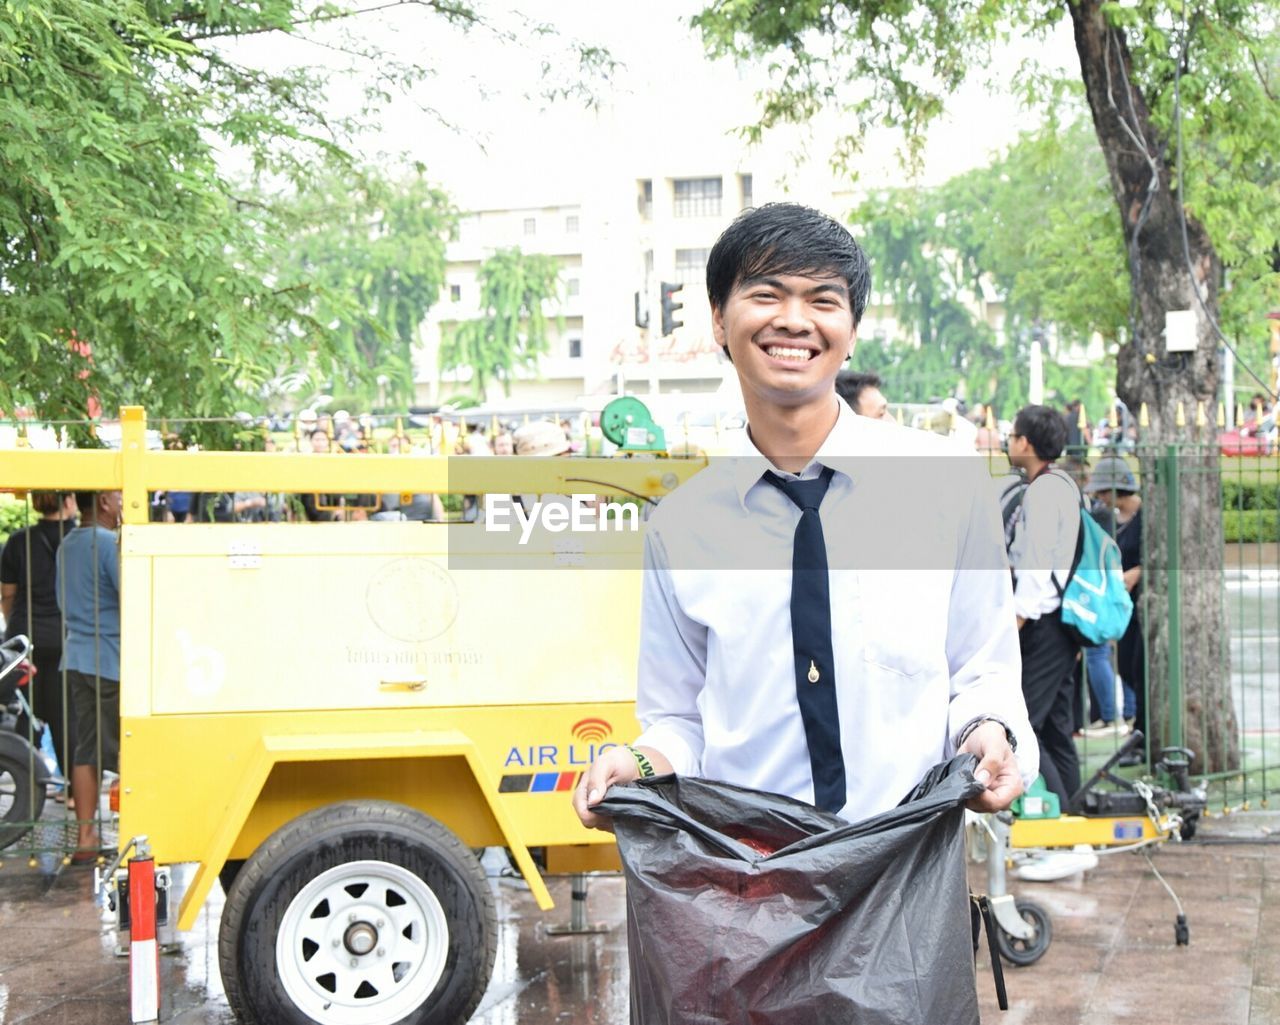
[{"x": 398, "y": 685}]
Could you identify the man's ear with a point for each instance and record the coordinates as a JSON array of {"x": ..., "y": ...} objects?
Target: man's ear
[
  {"x": 717, "y": 331},
  {"x": 853, "y": 343}
]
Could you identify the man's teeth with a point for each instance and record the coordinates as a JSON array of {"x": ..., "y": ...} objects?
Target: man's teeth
[{"x": 782, "y": 352}]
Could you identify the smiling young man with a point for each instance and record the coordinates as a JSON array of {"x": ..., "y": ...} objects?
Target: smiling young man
[{"x": 815, "y": 622}]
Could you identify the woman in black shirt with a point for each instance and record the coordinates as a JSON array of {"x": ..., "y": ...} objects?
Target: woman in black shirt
[{"x": 28, "y": 600}]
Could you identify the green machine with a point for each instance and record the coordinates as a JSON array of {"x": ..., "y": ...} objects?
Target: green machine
[
  {"x": 627, "y": 423},
  {"x": 1039, "y": 802}
]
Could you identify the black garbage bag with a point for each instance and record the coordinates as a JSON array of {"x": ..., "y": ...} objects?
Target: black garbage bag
[{"x": 748, "y": 908}]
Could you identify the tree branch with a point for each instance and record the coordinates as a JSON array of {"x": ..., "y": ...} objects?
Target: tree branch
[
  {"x": 1262, "y": 75},
  {"x": 449, "y": 9}
]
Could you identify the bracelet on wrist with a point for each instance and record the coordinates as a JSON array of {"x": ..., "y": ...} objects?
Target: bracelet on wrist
[
  {"x": 642, "y": 760},
  {"x": 982, "y": 721}
]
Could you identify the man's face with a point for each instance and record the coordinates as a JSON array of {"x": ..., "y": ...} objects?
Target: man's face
[
  {"x": 1109, "y": 498},
  {"x": 873, "y": 405},
  {"x": 788, "y": 335},
  {"x": 1018, "y": 449},
  {"x": 319, "y": 442}
]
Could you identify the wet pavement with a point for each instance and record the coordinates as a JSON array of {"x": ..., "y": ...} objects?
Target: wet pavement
[{"x": 1113, "y": 958}]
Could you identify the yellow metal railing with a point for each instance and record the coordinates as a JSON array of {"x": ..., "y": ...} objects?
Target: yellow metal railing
[{"x": 136, "y": 471}]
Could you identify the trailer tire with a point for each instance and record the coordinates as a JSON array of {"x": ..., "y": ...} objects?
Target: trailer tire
[
  {"x": 303, "y": 936},
  {"x": 21, "y": 799},
  {"x": 227, "y": 874}
]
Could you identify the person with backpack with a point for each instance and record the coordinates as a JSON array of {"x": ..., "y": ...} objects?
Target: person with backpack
[{"x": 1045, "y": 532}]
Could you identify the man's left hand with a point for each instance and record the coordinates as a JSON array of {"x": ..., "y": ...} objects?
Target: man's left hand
[{"x": 997, "y": 768}]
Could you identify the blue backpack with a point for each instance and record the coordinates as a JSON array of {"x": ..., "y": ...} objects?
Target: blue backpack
[{"x": 1096, "y": 607}]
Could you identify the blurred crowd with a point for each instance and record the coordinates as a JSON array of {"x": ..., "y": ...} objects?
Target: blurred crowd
[{"x": 341, "y": 433}]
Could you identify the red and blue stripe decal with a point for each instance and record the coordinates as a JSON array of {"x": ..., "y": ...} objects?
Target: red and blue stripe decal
[{"x": 538, "y": 782}]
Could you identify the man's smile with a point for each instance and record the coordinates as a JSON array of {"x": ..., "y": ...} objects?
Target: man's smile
[{"x": 795, "y": 353}]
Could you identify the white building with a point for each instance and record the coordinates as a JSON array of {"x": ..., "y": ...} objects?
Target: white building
[
  {"x": 615, "y": 246},
  {"x": 632, "y": 233}
]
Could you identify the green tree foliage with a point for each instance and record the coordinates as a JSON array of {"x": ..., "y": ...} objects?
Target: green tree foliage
[
  {"x": 14, "y": 515},
  {"x": 1155, "y": 73},
  {"x": 511, "y": 332},
  {"x": 131, "y": 268},
  {"x": 124, "y": 272},
  {"x": 1036, "y": 228},
  {"x": 372, "y": 253}
]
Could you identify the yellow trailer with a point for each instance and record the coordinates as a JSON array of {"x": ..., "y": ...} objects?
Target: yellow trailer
[{"x": 332, "y": 717}]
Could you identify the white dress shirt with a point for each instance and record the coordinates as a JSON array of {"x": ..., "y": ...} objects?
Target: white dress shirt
[
  {"x": 1044, "y": 543},
  {"x": 922, "y": 615}
]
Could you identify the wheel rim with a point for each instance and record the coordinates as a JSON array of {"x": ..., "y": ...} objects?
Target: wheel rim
[{"x": 362, "y": 943}]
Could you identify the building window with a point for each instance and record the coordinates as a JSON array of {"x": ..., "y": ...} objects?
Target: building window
[
  {"x": 698, "y": 197},
  {"x": 455, "y": 293},
  {"x": 571, "y": 224},
  {"x": 747, "y": 199},
  {"x": 530, "y": 226},
  {"x": 575, "y": 348},
  {"x": 572, "y": 286},
  {"x": 691, "y": 266},
  {"x": 644, "y": 199}
]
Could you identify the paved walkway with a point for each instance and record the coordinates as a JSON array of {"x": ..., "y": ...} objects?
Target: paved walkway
[{"x": 1113, "y": 959}]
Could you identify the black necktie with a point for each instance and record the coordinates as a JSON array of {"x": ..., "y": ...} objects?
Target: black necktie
[{"x": 811, "y": 640}]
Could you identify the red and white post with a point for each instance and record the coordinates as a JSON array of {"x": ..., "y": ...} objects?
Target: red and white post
[{"x": 144, "y": 951}]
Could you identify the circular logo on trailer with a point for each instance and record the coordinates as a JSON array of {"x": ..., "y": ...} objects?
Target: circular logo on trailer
[{"x": 412, "y": 600}]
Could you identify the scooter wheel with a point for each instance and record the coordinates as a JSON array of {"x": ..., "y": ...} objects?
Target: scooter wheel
[
  {"x": 21, "y": 799},
  {"x": 1021, "y": 953}
]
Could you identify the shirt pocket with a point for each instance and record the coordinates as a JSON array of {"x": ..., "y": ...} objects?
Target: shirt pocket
[{"x": 904, "y": 620}]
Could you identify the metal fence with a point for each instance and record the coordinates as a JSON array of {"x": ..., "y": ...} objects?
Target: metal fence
[{"x": 1208, "y": 604}]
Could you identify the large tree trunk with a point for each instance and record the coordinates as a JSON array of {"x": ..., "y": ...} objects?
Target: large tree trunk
[{"x": 1183, "y": 567}]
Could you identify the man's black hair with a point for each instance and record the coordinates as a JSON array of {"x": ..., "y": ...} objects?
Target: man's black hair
[
  {"x": 85, "y": 502},
  {"x": 787, "y": 238},
  {"x": 1044, "y": 428},
  {"x": 850, "y": 384}
]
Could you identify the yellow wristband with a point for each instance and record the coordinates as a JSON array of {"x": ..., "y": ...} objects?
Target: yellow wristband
[{"x": 646, "y": 766}]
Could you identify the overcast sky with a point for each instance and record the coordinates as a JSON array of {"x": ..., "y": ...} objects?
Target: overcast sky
[{"x": 516, "y": 151}]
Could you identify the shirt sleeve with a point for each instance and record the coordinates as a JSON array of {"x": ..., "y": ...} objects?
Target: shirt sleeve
[
  {"x": 1041, "y": 546},
  {"x": 673, "y": 667},
  {"x": 983, "y": 656}
]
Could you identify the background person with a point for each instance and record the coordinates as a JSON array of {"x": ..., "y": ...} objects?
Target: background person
[
  {"x": 88, "y": 575},
  {"x": 1042, "y": 550},
  {"x": 28, "y": 583},
  {"x": 862, "y": 390}
]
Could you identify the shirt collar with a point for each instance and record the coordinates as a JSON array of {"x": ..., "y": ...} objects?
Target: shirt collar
[{"x": 844, "y": 439}]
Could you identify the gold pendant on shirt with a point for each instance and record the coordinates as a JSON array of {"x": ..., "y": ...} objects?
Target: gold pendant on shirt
[{"x": 814, "y": 675}]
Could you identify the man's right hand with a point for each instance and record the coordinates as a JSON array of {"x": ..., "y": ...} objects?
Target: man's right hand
[{"x": 617, "y": 765}]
